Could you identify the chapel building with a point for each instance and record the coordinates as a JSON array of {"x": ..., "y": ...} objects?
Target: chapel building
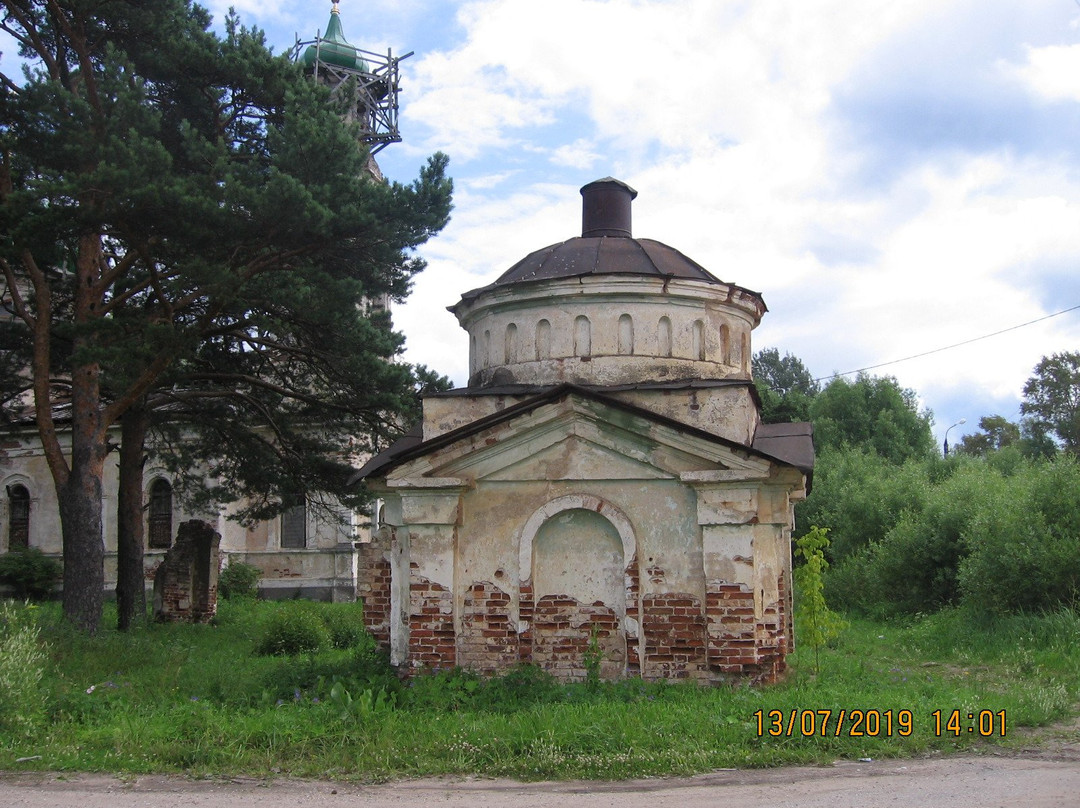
[{"x": 603, "y": 483}]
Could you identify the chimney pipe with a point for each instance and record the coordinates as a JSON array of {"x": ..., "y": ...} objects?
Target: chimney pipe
[{"x": 605, "y": 209}]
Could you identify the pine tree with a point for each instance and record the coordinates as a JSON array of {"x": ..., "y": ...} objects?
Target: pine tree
[{"x": 162, "y": 188}]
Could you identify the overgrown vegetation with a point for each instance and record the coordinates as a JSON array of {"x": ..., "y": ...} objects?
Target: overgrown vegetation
[
  {"x": 30, "y": 573},
  {"x": 998, "y": 534},
  {"x": 22, "y": 665},
  {"x": 239, "y": 580},
  {"x": 197, "y": 699},
  {"x": 815, "y": 623}
]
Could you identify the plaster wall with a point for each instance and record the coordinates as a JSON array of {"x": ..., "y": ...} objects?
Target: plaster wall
[
  {"x": 609, "y": 330},
  {"x": 726, "y": 411},
  {"x": 323, "y": 569}
]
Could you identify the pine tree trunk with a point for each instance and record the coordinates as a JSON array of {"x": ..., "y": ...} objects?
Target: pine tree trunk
[
  {"x": 130, "y": 530},
  {"x": 84, "y": 549}
]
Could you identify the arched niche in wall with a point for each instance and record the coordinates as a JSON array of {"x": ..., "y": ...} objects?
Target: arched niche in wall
[
  {"x": 511, "y": 347},
  {"x": 698, "y": 340},
  {"x": 575, "y": 555},
  {"x": 543, "y": 340},
  {"x": 582, "y": 336},
  {"x": 663, "y": 336},
  {"x": 626, "y": 335}
]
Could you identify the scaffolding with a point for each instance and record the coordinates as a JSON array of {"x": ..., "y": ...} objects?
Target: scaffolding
[{"x": 372, "y": 93}]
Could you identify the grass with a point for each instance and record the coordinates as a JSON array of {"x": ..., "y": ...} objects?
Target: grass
[{"x": 196, "y": 699}]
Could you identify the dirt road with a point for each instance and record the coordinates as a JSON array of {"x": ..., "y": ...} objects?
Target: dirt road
[{"x": 960, "y": 782}]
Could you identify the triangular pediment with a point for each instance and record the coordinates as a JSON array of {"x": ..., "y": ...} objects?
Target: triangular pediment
[
  {"x": 576, "y": 458},
  {"x": 579, "y": 437}
]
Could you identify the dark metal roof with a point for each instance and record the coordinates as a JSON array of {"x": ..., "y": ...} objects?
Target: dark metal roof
[
  {"x": 605, "y": 255},
  {"x": 792, "y": 443}
]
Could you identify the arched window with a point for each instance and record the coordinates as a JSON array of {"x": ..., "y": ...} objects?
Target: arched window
[
  {"x": 699, "y": 340},
  {"x": 626, "y": 334},
  {"x": 663, "y": 336},
  {"x": 543, "y": 340},
  {"x": 294, "y": 526},
  {"x": 18, "y": 517},
  {"x": 159, "y": 517},
  {"x": 582, "y": 336},
  {"x": 511, "y": 344}
]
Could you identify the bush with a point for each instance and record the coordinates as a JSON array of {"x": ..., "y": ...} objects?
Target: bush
[
  {"x": 30, "y": 573},
  {"x": 293, "y": 628},
  {"x": 859, "y": 497},
  {"x": 1024, "y": 548},
  {"x": 915, "y": 566},
  {"x": 22, "y": 666},
  {"x": 239, "y": 580},
  {"x": 345, "y": 622}
]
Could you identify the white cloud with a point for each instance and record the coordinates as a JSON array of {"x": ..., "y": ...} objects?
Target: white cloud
[
  {"x": 723, "y": 116},
  {"x": 1052, "y": 72}
]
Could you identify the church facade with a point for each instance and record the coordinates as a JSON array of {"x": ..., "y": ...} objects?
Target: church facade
[{"x": 603, "y": 488}]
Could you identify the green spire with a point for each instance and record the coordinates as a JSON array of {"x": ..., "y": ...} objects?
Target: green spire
[{"x": 333, "y": 48}]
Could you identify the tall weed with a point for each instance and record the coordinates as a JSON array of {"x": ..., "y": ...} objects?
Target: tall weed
[{"x": 22, "y": 666}]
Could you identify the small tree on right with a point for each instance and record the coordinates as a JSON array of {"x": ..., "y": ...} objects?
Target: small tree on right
[{"x": 1052, "y": 397}]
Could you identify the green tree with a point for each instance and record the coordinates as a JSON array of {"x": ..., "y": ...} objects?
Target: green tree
[
  {"x": 158, "y": 185},
  {"x": 818, "y": 625},
  {"x": 784, "y": 385},
  {"x": 995, "y": 432},
  {"x": 1052, "y": 397},
  {"x": 873, "y": 412}
]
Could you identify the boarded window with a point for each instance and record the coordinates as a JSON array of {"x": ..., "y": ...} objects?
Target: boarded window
[
  {"x": 159, "y": 519},
  {"x": 294, "y": 527},
  {"x": 19, "y": 517}
]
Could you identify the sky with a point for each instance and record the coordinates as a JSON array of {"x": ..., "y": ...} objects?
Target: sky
[{"x": 893, "y": 177}]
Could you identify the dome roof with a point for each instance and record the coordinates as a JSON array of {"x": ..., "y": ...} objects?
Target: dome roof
[
  {"x": 606, "y": 247},
  {"x": 332, "y": 48}
]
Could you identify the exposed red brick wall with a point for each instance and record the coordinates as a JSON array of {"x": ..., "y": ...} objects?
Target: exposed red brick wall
[
  {"x": 431, "y": 623},
  {"x": 488, "y": 642},
  {"x": 773, "y": 635},
  {"x": 674, "y": 628},
  {"x": 525, "y": 615},
  {"x": 633, "y": 593},
  {"x": 561, "y": 629},
  {"x": 185, "y": 583},
  {"x": 729, "y": 609},
  {"x": 373, "y": 586}
]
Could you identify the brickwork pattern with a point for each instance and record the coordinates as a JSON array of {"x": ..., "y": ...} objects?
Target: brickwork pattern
[
  {"x": 674, "y": 628},
  {"x": 185, "y": 583},
  {"x": 772, "y": 636},
  {"x": 373, "y": 580},
  {"x": 633, "y": 594},
  {"x": 488, "y": 642},
  {"x": 732, "y": 629},
  {"x": 561, "y": 629},
  {"x": 432, "y": 641},
  {"x": 525, "y": 616}
]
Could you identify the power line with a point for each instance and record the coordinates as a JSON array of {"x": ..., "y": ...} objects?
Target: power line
[{"x": 948, "y": 347}]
